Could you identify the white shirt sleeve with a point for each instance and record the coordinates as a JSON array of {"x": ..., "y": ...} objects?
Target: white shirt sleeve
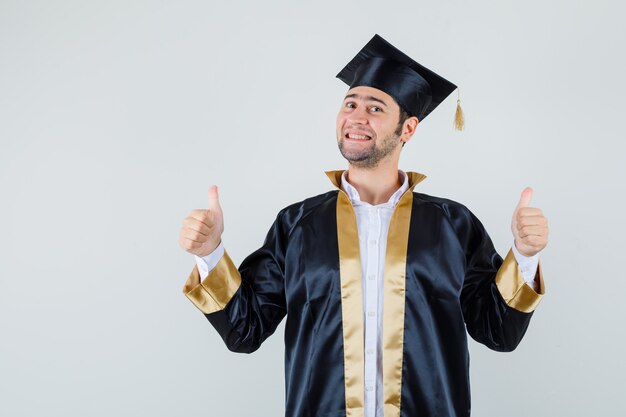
[
  {"x": 527, "y": 265},
  {"x": 208, "y": 262}
]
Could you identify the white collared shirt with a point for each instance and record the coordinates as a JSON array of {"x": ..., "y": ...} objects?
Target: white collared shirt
[{"x": 373, "y": 226}]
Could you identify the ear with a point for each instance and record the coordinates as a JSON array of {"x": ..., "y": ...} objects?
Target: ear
[{"x": 408, "y": 128}]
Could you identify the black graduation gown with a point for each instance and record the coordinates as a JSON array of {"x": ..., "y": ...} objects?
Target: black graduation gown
[{"x": 442, "y": 277}]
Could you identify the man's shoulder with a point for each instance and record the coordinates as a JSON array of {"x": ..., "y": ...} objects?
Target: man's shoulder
[
  {"x": 449, "y": 207},
  {"x": 458, "y": 214},
  {"x": 303, "y": 208},
  {"x": 313, "y": 201},
  {"x": 435, "y": 200}
]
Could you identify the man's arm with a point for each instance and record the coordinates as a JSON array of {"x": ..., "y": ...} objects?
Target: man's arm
[
  {"x": 245, "y": 304},
  {"x": 496, "y": 300}
]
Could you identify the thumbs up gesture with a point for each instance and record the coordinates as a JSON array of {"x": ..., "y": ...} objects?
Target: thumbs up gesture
[
  {"x": 529, "y": 226},
  {"x": 202, "y": 229}
]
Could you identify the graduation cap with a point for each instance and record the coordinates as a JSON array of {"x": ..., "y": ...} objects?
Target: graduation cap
[{"x": 415, "y": 88}]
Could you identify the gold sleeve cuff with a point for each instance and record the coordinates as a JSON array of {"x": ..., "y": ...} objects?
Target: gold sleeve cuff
[
  {"x": 513, "y": 287},
  {"x": 216, "y": 290}
]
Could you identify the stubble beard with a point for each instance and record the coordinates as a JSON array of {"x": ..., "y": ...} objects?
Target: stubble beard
[{"x": 370, "y": 157}]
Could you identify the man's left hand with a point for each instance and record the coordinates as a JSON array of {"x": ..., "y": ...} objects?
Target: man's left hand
[{"x": 529, "y": 226}]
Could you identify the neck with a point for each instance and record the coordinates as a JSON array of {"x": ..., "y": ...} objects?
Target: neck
[{"x": 375, "y": 185}]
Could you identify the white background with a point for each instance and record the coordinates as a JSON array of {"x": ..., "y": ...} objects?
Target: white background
[{"x": 117, "y": 116}]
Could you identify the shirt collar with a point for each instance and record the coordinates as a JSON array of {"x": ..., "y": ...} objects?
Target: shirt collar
[{"x": 355, "y": 199}]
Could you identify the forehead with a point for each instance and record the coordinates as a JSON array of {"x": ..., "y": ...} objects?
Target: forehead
[{"x": 370, "y": 93}]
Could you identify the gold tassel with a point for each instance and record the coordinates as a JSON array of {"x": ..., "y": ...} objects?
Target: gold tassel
[{"x": 459, "y": 118}]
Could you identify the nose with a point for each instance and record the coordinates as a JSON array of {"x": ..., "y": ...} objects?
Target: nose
[{"x": 359, "y": 115}]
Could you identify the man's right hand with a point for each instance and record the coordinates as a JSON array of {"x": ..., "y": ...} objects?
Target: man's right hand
[{"x": 202, "y": 229}]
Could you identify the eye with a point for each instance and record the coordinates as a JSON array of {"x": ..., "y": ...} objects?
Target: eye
[
  {"x": 375, "y": 109},
  {"x": 350, "y": 105}
]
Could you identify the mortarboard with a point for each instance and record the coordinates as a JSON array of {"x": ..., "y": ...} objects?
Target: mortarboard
[{"x": 415, "y": 88}]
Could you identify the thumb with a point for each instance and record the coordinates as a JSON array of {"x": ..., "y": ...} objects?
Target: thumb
[
  {"x": 214, "y": 199},
  {"x": 525, "y": 198}
]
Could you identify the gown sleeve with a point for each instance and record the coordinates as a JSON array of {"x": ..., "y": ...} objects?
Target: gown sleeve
[
  {"x": 245, "y": 304},
  {"x": 496, "y": 301}
]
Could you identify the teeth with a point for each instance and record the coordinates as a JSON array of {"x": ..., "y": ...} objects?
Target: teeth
[{"x": 354, "y": 136}]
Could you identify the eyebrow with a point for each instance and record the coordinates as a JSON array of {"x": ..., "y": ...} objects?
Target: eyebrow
[{"x": 366, "y": 98}]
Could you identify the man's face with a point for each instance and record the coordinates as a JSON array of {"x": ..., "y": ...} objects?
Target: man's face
[{"x": 366, "y": 125}]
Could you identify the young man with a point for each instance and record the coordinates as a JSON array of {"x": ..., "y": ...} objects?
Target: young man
[{"x": 378, "y": 283}]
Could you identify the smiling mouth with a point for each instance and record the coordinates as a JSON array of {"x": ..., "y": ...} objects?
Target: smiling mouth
[{"x": 354, "y": 136}]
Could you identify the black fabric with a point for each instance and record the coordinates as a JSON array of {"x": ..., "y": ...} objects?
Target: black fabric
[{"x": 450, "y": 286}]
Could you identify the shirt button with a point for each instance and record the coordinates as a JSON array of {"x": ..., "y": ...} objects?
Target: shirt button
[
  {"x": 372, "y": 276},
  {"x": 373, "y": 242},
  {"x": 371, "y": 313},
  {"x": 369, "y": 388},
  {"x": 370, "y": 351}
]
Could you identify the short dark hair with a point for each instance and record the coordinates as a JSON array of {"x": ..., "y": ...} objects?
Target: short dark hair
[{"x": 403, "y": 116}]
